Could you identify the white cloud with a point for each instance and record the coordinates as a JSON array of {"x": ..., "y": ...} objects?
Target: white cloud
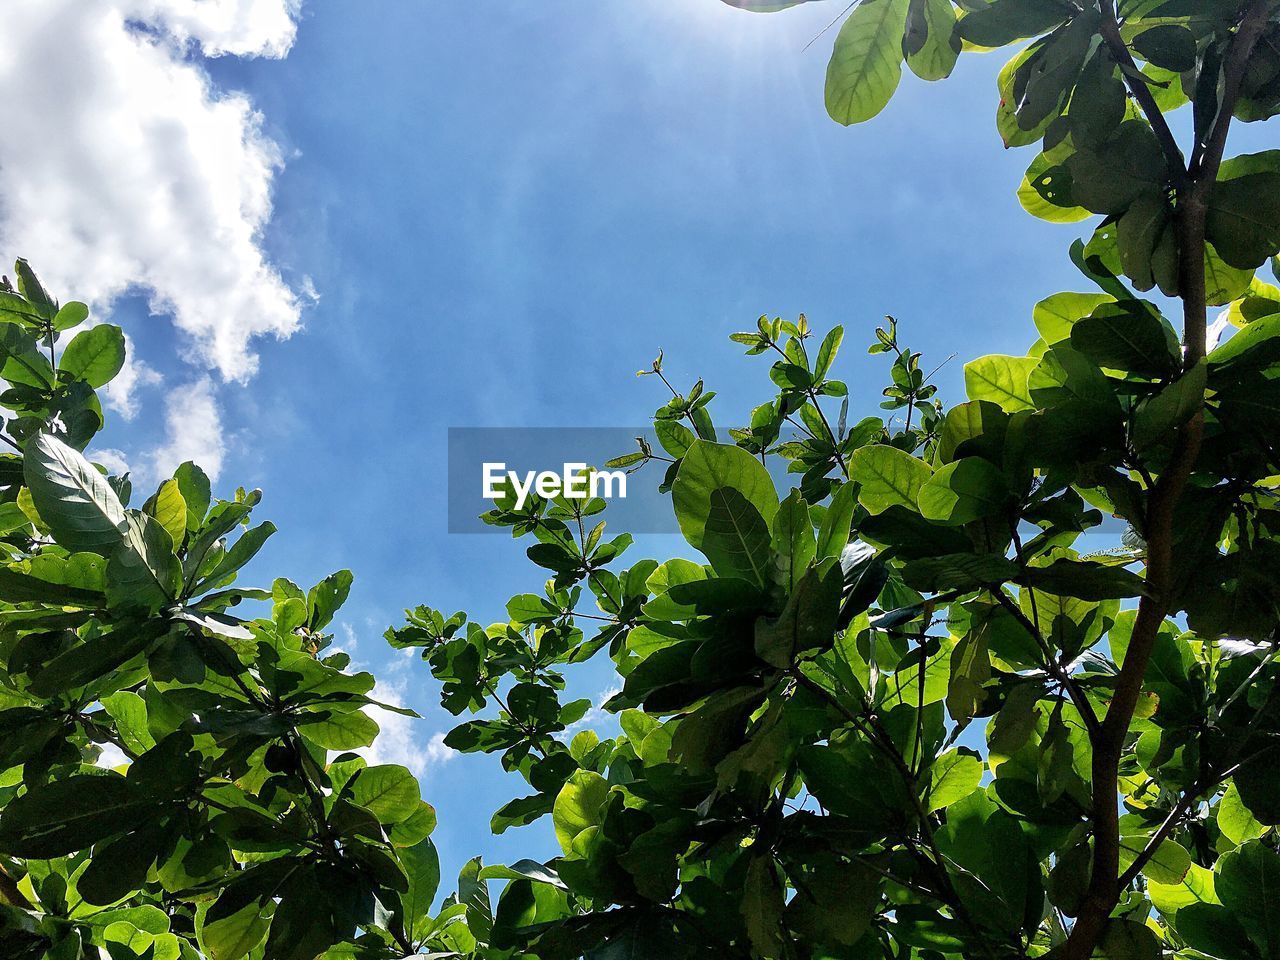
[
  {"x": 193, "y": 431},
  {"x": 253, "y": 28},
  {"x": 398, "y": 740},
  {"x": 135, "y": 374},
  {"x": 123, "y": 169},
  {"x": 111, "y": 458},
  {"x": 350, "y": 640},
  {"x": 597, "y": 717}
]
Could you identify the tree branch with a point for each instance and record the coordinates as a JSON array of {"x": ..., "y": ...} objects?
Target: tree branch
[
  {"x": 1137, "y": 85},
  {"x": 1053, "y": 667},
  {"x": 1208, "y": 782},
  {"x": 881, "y": 741},
  {"x": 1105, "y": 884},
  {"x": 1207, "y": 157}
]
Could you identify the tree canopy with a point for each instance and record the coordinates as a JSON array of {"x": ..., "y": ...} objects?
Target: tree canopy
[
  {"x": 239, "y": 823},
  {"x": 900, "y": 711}
]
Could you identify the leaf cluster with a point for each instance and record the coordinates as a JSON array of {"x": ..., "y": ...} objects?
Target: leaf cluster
[{"x": 234, "y": 820}]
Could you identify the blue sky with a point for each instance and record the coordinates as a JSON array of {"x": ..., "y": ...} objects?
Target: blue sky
[{"x": 504, "y": 211}]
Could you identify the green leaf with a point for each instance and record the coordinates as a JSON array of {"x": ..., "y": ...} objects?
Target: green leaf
[
  {"x": 1248, "y": 883},
  {"x": 1016, "y": 720},
  {"x": 73, "y": 498},
  {"x": 71, "y": 315},
  {"x": 852, "y": 782},
  {"x": 976, "y": 427},
  {"x": 169, "y": 510},
  {"x": 866, "y": 63},
  {"x": 527, "y": 906},
  {"x": 1214, "y": 930},
  {"x": 1138, "y": 235},
  {"x": 21, "y": 361},
  {"x": 793, "y": 541},
  {"x": 194, "y": 487},
  {"x": 953, "y": 776},
  {"x": 970, "y": 670},
  {"x": 833, "y": 533},
  {"x": 144, "y": 572},
  {"x": 29, "y": 286},
  {"x": 579, "y": 806},
  {"x": 827, "y": 352},
  {"x": 231, "y": 935},
  {"x": 963, "y": 491},
  {"x": 1065, "y": 375},
  {"x": 1168, "y": 46},
  {"x": 1056, "y": 315},
  {"x": 421, "y": 864},
  {"x": 1243, "y": 222},
  {"x": 1002, "y": 380},
  {"x": 700, "y": 598},
  {"x": 1258, "y": 783},
  {"x": 835, "y": 901},
  {"x": 119, "y": 867},
  {"x": 1234, "y": 819},
  {"x": 1254, "y": 347},
  {"x": 931, "y": 43},
  {"x": 72, "y": 813},
  {"x": 725, "y": 501},
  {"x": 761, "y": 907},
  {"x": 1197, "y": 886},
  {"x": 887, "y": 477},
  {"x": 129, "y": 711},
  {"x": 958, "y": 571},
  {"x": 1004, "y": 21},
  {"x": 1054, "y": 763},
  {"x": 1042, "y": 84},
  {"x": 1168, "y": 865},
  {"x": 808, "y": 621},
  {"x": 1084, "y": 580},
  {"x": 1128, "y": 940},
  {"x": 524, "y": 870},
  {"x": 19, "y": 585},
  {"x": 339, "y": 731},
  {"x": 242, "y": 551},
  {"x": 1128, "y": 336},
  {"x": 674, "y": 436},
  {"x": 1114, "y": 175},
  {"x": 1223, "y": 283},
  {"x": 95, "y": 356},
  {"x": 95, "y": 658},
  {"x": 1159, "y": 418},
  {"x": 323, "y": 600},
  {"x": 416, "y": 828},
  {"x": 387, "y": 791},
  {"x": 304, "y": 923}
]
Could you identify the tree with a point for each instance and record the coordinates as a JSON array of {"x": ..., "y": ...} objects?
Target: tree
[
  {"x": 240, "y": 825},
  {"x": 896, "y": 713}
]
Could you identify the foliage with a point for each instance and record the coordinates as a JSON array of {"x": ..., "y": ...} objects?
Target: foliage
[
  {"x": 899, "y": 711},
  {"x": 240, "y": 825}
]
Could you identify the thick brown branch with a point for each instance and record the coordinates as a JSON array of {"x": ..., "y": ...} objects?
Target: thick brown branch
[
  {"x": 1105, "y": 885},
  {"x": 1207, "y": 157}
]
